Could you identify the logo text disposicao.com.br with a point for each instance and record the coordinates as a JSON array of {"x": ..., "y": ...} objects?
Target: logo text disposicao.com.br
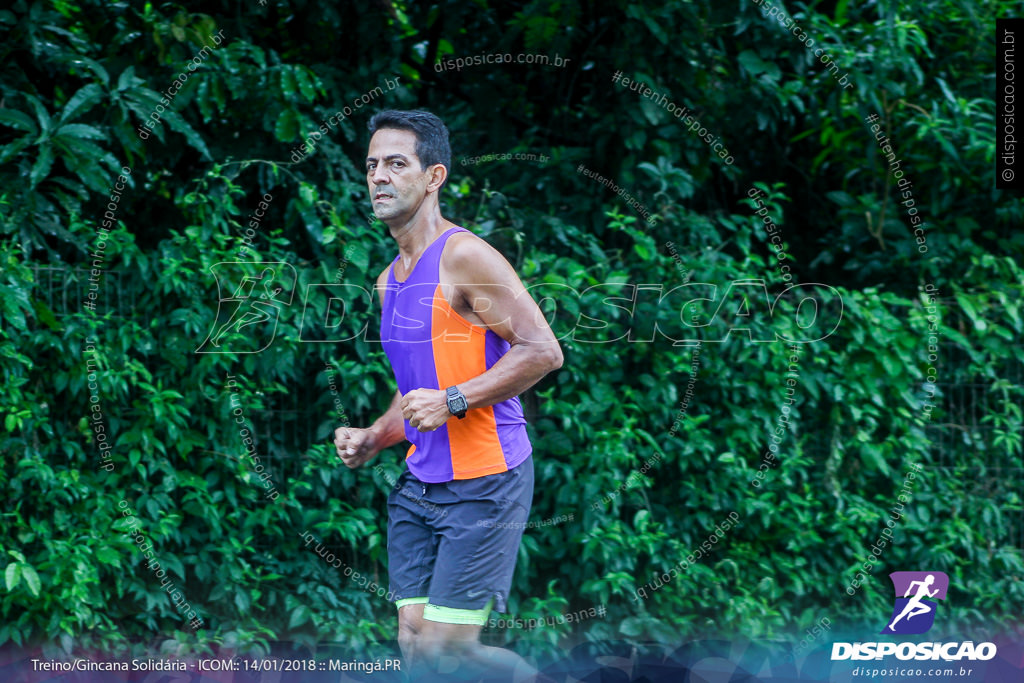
[
  {"x": 913, "y": 612},
  {"x": 947, "y": 652}
]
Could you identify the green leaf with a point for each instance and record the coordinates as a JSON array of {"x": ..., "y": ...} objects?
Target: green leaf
[
  {"x": 652, "y": 112},
  {"x": 299, "y": 616},
  {"x": 42, "y": 116},
  {"x": 180, "y": 125},
  {"x": 288, "y": 82},
  {"x": 19, "y": 120},
  {"x": 873, "y": 456},
  {"x": 12, "y": 575},
  {"x": 93, "y": 66},
  {"x": 752, "y": 63},
  {"x": 287, "y": 127},
  {"x": 81, "y": 102},
  {"x": 31, "y": 579},
  {"x": 41, "y": 168},
  {"x": 968, "y": 307},
  {"x": 891, "y": 365},
  {"x": 128, "y": 79},
  {"x": 947, "y": 146},
  {"x": 12, "y": 150},
  {"x": 946, "y": 91},
  {"x": 306, "y": 79},
  {"x": 81, "y": 130},
  {"x": 107, "y": 555},
  {"x": 307, "y": 194}
]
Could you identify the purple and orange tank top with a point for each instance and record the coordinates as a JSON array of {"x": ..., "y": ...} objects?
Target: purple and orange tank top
[{"x": 431, "y": 346}]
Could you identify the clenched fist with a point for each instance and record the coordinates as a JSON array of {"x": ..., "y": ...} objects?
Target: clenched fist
[
  {"x": 354, "y": 446},
  {"x": 425, "y": 409}
]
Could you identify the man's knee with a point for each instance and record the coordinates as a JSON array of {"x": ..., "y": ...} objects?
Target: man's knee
[
  {"x": 436, "y": 639},
  {"x": 442, "y": 653},
  {"x": 407, "y": 641}
]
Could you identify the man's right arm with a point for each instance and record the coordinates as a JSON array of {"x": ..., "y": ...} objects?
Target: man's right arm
[{"x": 356, "y": 446}]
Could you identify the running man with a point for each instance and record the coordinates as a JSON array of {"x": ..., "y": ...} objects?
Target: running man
[
  {"x": 464, "y": 339},
  {"x": 914, "y": 606},
  {"x": 250, "y": 311}
]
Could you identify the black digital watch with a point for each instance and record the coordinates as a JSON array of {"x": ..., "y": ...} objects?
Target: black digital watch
[{"x": 457, "y": 404}]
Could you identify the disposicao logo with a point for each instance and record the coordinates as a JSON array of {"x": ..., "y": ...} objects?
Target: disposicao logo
[{"x": 913, "y": 612}]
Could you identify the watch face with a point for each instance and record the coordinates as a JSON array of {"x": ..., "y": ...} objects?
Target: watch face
[{"x": 457, "y": 404}]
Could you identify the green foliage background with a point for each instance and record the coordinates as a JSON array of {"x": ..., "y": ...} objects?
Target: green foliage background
[{"x": 80, "y": 77}]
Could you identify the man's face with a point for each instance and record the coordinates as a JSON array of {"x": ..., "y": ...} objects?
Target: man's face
[{"x": 396, "y": 182}]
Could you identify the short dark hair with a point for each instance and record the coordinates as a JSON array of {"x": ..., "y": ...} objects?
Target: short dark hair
[{"x": 431, "y": 134}]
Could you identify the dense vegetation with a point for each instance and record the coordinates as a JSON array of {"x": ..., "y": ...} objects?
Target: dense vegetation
[{"x": 663, "y": 416}]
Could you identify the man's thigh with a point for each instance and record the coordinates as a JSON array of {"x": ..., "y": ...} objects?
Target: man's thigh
[
  {"x": 479, "y": 542},
  {"x": 412, "y": 539}
]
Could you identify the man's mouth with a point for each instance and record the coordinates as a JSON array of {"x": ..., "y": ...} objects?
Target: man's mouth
[{"x": 381, "y": 195}]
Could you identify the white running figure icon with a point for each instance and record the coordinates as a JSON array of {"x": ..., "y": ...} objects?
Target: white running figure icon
[
  {"x": 915, "y": 606},
  {"x": 250, "y": 312}
]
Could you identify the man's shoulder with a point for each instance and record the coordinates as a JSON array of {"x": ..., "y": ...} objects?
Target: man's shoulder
[
  {"x": 466, "y": 251},
  {"x": 463, "y": 239}
]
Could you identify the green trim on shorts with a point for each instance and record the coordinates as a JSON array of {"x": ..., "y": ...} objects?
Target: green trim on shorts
[
  {"x": 410, "y": 601},
  {"x": 450, "y": 615}
]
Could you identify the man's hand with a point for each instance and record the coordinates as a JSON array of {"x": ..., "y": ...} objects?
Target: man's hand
[
  {"x": 425, "y": 409},
  {"x": 354, "y": 446}
]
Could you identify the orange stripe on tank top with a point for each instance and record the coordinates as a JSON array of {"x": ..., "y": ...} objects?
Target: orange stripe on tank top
[{"x": 459, "y": 355}]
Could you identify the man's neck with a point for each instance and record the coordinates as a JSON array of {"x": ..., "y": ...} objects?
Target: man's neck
[{"x": 416, "y": 235}]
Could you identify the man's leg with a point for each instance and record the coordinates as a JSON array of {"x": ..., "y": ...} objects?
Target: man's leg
[
  {"x": 410, "y": 625},
  {"x": 906, "y": 608},
  {"x": 480, "y": 528},
  {"x": 412, "y": 551},
  {"x": 456, "y": 648},
  {"x": 436, "y": 650},
  {"x": 918, "y": 609}
]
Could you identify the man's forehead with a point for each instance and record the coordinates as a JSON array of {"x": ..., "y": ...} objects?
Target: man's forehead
[{"x": 390, "y": 141}]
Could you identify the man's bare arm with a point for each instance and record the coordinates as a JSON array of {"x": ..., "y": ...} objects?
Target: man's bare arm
[
  {"x": 489, "y": 284},
  {"x": 523, "y": 366},
  {"x": 356, "y": 446}
]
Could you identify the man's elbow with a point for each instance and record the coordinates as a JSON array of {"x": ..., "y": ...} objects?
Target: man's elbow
[{"x": 553, "y": 357}]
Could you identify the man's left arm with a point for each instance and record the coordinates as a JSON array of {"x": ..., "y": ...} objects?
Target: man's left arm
[{"x": 488, "y": 283}]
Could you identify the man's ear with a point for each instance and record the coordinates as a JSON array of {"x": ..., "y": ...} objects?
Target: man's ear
[{"x": 438, "y": 174}]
